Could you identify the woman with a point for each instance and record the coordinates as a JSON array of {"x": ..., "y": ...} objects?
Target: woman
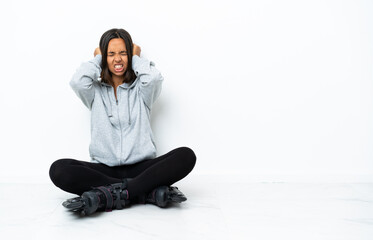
[{"x": 119, "y": 88}]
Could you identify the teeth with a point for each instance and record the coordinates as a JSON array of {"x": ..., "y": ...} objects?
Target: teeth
[{"x": 118, "y": 66}]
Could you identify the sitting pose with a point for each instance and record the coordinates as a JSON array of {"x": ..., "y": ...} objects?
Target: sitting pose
[{"x": 119, "y": 88}]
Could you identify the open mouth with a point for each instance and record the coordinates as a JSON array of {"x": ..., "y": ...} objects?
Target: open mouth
[{"x": 118, "y": 67}]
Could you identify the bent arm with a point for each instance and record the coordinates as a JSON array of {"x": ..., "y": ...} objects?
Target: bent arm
[
  {"x": 150, "y": 79},
  {"x": 82, "y": 80}
]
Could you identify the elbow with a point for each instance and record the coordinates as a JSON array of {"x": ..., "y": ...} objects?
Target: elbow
[
  {"x": 154, "y": 74},
  {"x": 81, "y": 82},
  {"x": 151, "y": 79},
  {"x": 158, "y": 77},
  {"x": 74, "y": 83}
]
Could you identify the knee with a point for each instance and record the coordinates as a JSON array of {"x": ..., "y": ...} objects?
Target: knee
[
  {"x": 56, "y": 171},
  {"x": 189, "y": 157}
]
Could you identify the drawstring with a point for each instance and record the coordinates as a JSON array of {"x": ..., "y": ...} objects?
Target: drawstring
[
  {"x": 107, "y": 102},
  {"x": 128, "y": 102},
  {"x": 108, "y": 98}
]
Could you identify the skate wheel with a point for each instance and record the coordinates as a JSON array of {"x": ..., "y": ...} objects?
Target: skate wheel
[
  {"x": 73, "y": 204},
  {"x": 175, "y": 195}
]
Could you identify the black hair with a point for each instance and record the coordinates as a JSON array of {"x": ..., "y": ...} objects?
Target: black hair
[{"x": 106, "y": 75}]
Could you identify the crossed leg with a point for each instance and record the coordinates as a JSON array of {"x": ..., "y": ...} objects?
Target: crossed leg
[{"x": 76, "y": 176}]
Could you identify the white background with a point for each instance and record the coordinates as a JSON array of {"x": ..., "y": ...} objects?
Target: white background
[{"x": 253, "y": 87}]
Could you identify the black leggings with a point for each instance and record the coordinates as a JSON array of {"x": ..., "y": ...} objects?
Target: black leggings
[{"x": 76, "y": 176}]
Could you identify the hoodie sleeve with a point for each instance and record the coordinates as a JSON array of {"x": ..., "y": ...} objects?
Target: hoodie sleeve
[
  {"x": 150, "y": 79},
  {"x": 82, "y": 80}
]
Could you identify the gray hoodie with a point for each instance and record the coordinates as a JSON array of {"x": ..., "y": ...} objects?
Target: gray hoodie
[{"x": 120, "y": 129}]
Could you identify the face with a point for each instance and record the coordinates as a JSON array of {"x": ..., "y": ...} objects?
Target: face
[{"x": 117, "y": 58}]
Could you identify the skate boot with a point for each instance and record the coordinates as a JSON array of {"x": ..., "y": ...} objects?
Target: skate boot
[
  {"x": 163, "y": 195},
  {"x": 113, "y": 196}
]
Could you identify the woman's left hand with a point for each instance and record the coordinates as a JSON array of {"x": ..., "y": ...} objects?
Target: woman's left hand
[{"x": 136, "y": 50}]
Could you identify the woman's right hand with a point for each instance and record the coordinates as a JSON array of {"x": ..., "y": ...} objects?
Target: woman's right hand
[{"x": 97, "y": 51}]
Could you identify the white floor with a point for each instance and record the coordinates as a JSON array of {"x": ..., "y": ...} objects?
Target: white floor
[{"x": 217, "y": 208}]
